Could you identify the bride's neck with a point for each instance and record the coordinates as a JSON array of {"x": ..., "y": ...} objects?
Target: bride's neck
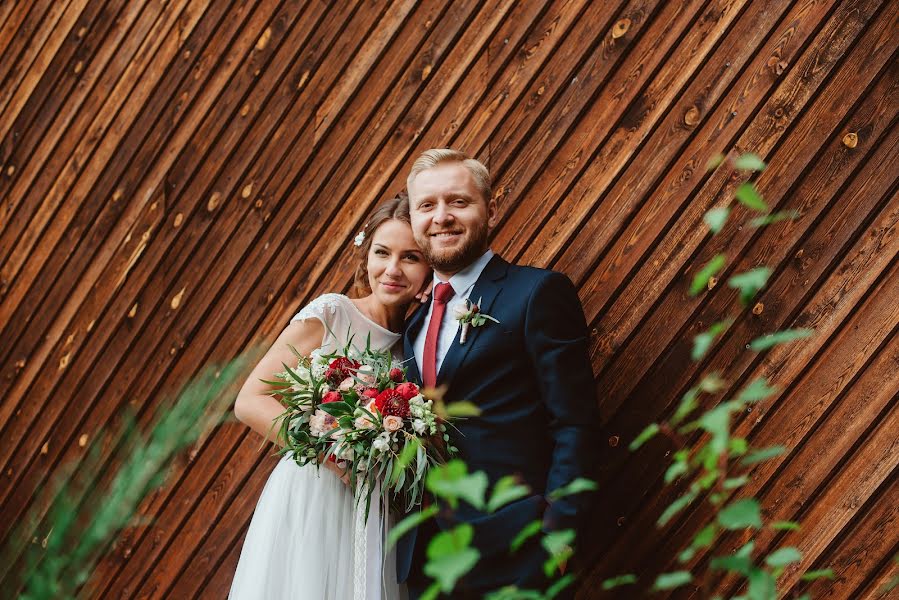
[{"x": 389, "y": 317}]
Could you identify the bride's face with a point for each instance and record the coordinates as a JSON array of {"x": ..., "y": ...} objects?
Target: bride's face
[{"x": 396, "y": 267}]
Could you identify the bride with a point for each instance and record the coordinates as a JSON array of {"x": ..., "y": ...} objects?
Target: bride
[{"x": 301, "y": 541}]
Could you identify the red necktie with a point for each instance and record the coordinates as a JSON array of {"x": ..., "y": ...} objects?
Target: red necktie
[{"x": 442, "y": 293}]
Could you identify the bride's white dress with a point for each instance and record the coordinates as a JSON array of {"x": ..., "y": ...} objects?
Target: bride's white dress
[{"x": 306, "y": 539}]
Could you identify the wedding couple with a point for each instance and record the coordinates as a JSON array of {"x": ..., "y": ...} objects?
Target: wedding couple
[{"x": 529, "y": 374}]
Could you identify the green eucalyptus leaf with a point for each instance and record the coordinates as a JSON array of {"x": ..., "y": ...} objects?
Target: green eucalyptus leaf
[
  {"x": 711, "y": 268},
  {"x": 688, "y": 403},
  {"x": 741, "y": 514},
  {"x": 675, "y": 507},
  {"x": 780, "y": 337},
  {"x": 749, "y": 197}
]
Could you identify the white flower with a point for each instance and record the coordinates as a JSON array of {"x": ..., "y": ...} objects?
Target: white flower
[
  {"x": 460, "y": 311},
  {"x": 346, "y": 385},
  {"x": 419, "y": 426},
  {"x": 366, "y": 375},
  {"x": 359, "y": 239},
  {"x": 393, "y": 423},
  {"x": 382, "y": 442}
]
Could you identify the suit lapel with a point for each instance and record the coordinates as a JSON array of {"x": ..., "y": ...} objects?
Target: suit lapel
[
  {"x": 412, "y": 328},
  {"x": 485, "y": 292}
]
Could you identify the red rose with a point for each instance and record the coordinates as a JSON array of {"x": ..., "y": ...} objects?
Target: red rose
[
  {"x": 331, "y": 396},
  {"x": 370, "y": 393},
  {"x": 396, "y": 375},
  {"x": 408, "y": 390}
]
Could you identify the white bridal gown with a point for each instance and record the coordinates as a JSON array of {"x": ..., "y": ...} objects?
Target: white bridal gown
[{"x": 306, "y": 540}]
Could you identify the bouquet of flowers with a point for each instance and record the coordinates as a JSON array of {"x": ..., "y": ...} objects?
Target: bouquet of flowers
[{"x": 356, "y": 408}]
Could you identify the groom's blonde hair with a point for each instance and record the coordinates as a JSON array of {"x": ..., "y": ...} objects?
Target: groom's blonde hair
[{"x": 435, "y": 156}]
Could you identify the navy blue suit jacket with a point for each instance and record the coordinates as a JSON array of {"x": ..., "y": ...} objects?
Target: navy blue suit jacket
[{"x": 531, "y": 377}]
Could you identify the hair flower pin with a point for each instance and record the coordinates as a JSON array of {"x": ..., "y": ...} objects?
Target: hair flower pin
[
  {"x": 470, "y": 315},
  {"x": 359, "y": 239}
]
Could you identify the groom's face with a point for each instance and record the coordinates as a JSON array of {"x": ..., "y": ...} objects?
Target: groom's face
[{"x": 451, "y": 219}]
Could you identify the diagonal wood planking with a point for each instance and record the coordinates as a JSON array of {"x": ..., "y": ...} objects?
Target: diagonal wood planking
[{"x": 177, "y": 178}]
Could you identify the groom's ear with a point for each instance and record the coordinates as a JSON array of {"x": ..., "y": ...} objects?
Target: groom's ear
[{"x": 492, "y": 213}]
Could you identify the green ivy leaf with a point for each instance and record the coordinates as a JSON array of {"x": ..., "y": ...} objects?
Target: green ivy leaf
[
  {"x": 712, "y": 383},
  {"x": 736, "y": 563},
  {"x": 558, "y": 545},
  {"x": 783, "y": 557},
  {"x": 780, "y": 337},
  {"x": 785, "y": 215},
  {"x": 716, "y": 218},
  {"x": 701, "y": 279},
  {"x": 677, "y": 468},
  {"x": 758, "y": 389},
  {"x": 819, "y": 574},
  {"x": 717, "y": 422},
  {"x": 669, "y": 581},
  {"x": 762, "y": 585},
  {"x": 450, "y": 556},
  {"x": 644, "y": 436},
  {"x": 749, "y": 162},
  {"x": 703, "y": 341},
  {"x": 506, "y": 490},
  {"x": 556, "y": 588},
  {"x": 741, "y": 514},
  {"x": 452, "y": 482},
  {"x": 577, "y": 486},
  {"x": 688, "y": 404},
  {"x": 786, "y": 526},
  {"x": 762, "y": 454},
  {"x": 749, "y": 283},
  {"x": 527, "y": 532},
  {"x": 733, "y": 483},
  {"x": 749, "y": 197},
  {"x": 614, "y": 582}
]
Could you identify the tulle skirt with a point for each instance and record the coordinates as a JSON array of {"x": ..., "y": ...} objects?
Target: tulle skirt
[{"x": 307, "y": 540}]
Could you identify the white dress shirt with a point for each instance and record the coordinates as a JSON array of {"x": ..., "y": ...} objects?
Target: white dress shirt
[{"x": 463, "y": 284}]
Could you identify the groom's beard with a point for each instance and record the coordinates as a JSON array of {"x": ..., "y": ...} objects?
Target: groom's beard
[{"x": 453, "y": 261}]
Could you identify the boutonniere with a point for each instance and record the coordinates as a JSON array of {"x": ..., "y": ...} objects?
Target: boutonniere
[{"x": 470, "y": 315}]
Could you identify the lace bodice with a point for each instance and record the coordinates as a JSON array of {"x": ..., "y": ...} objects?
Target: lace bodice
[{"x": 343, "y": 321}]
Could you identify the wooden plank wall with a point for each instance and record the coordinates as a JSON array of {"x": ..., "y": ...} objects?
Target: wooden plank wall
[{"x": 178, "y": 178}]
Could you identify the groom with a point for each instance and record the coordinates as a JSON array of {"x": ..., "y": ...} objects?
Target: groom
[{"x": 529, "y": 374}]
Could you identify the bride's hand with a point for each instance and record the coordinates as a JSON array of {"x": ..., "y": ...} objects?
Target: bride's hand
[
  {"x": 341, "y": 472},
  {"x": 425, "y": 294}
]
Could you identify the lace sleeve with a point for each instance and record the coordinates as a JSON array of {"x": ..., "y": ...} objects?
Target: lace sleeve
[{"x": 326, "y": 308}]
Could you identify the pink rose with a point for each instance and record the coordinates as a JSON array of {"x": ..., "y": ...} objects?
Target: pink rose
[{"x": 393, "y": 423}]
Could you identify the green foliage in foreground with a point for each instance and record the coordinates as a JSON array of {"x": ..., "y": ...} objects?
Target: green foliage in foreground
[{"x": 72, "y": 544}]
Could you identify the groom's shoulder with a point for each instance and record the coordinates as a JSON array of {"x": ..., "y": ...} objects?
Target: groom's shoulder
[{"x": 535, "y": 275}]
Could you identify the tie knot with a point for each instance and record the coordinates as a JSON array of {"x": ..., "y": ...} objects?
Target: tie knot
[{"x": 443, "y": 292}]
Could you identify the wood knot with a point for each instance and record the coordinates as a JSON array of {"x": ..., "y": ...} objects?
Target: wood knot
[
  {"x": 620, "y": 28},
  {"x": 850, "y": 140},
  {"x": 758, "y": 308},
  {"x": 613, "y": 441},
  {"x": 691, "y": 117}
]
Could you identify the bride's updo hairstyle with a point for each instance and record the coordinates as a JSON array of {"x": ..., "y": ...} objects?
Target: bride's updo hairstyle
[{"x": 395, "y": 208}]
